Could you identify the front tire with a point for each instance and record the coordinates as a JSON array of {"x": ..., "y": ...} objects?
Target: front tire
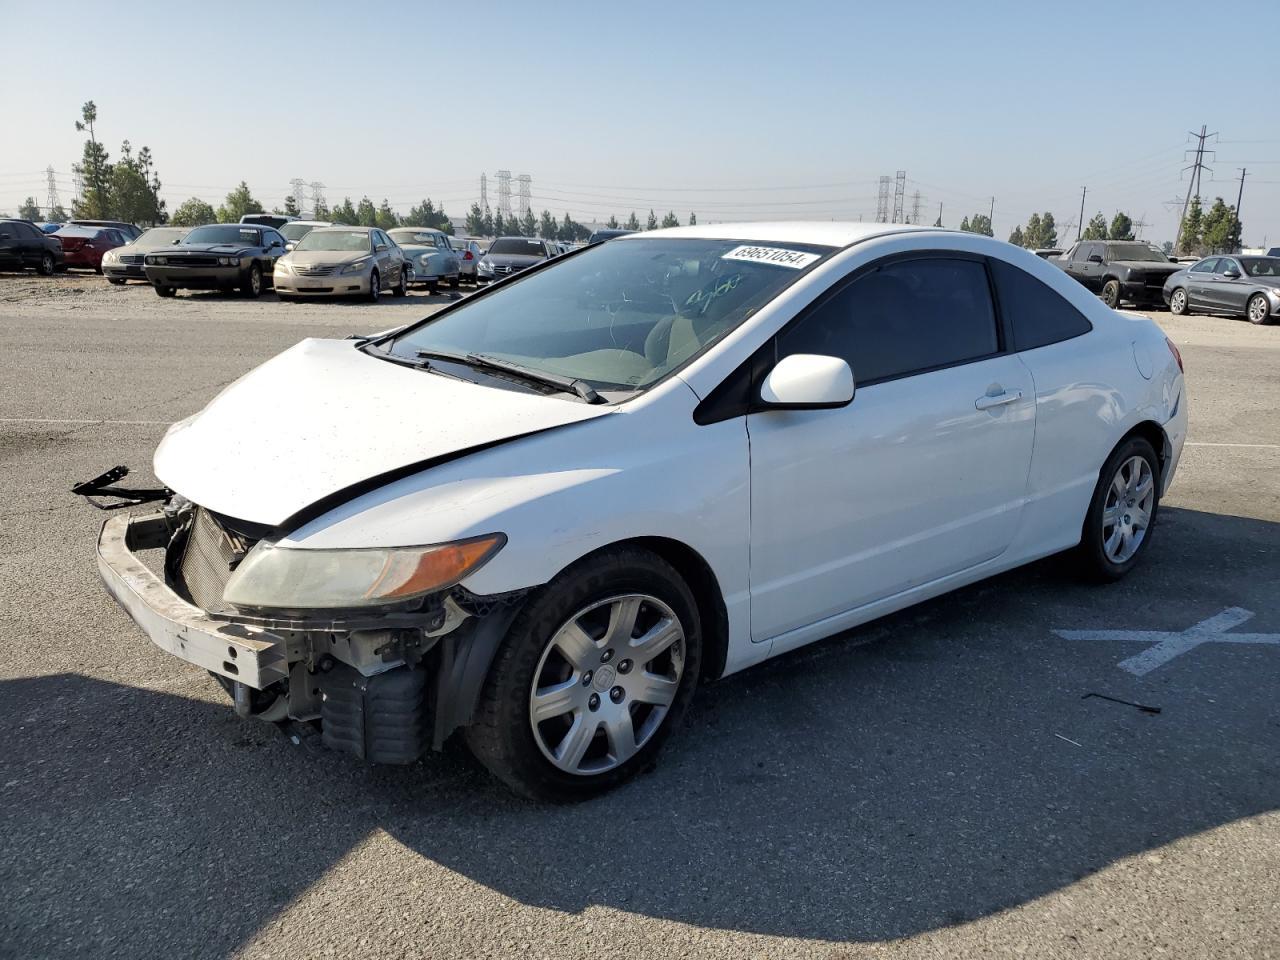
[
  {"x": 166, "y": 291},
  {"x": 115, "y": 281},
  {"x": 253, "y": 283},
  {"x": 592, "y": 677},
  {"x": 375, "y": 286},
  {"x": 1258, "y": 310},
  {"x": 1111, "y": 293},
  {"x": 46, "y": 265},
  {"x": 455, "y": 282},
  {"x": 402, "y": 288},
  {"x": 1122, "y": 514},
  {"x": 1178, "y": 303}
]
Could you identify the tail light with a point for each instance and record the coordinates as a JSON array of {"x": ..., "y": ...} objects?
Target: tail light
[
  {"x": 1176, "y": 355},
  {"x": 467, "y": 256}
]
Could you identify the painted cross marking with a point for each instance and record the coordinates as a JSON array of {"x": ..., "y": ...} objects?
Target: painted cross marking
[{"x": 1165, "y": 645}]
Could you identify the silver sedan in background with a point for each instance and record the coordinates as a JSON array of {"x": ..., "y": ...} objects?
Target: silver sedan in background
[
  {"x": 125, "y": 263},
  {"x": 342, "y": 262},
  {"x": 469, "y": 251},
  {"x": 1233, "y": 285},
  {"x": 430, "y": 256}
]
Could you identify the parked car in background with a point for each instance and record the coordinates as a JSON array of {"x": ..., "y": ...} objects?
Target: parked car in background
[
  {"x": 125, "y": 263},
  {"x": 1119, "y": 270},
  {"x": 222, "y": 256},
  {"x": 544, "y": 516},
  {"x": 469, "y": 251},
  {"x": 431, "y": 256},
  {"x": 1047, "y": 253},
  {"x": 1233, "y": 285},
  {"x": 342, "y": 262},
  {"x": 295, "y": 230},
  {"x": 84, "y": 247},
  {"x": 1274, "y": 252},
  {"x": 131, "y": 231},
  {"x": 23, "y": 246},
  {"x": 600, "y": 236},
  {"x": 47, "y": 227},
  {"x": 273, "y": 220},
  {"x": 508, "y": 255}
]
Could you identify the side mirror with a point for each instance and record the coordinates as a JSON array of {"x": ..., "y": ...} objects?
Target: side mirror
[
  {"x": 1231, "y": 274},
  {"x": 807, "y": 381},
  {"x": 1095, "y": 258}
]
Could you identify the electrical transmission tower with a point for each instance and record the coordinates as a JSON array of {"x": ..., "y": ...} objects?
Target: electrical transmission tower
[
  {"x": 882, "y": 201},
  {"x": 53, "y": 190},
  {"x": 504, "y": 192},
  {"x": 484, "y": 193},
  {"x": 77, "y": 178},
  {"x": 899, "y": 197},
  {"x": 299, "y": 187},
  {"x": 1196, "y": 167},
  {"x": 916, "y": 201},
  {"x": 526, "y": 185},
  {"x": 317, "y": 197}
]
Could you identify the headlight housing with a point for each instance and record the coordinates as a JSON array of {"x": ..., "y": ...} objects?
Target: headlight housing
[
  {"x": 288, "y": 578},
  {"x": 356, "y": 267},
  {"x": 228, "y": 261},
  {"x": 282, "y": 266},
  {"x": 424, "y": 259},
  {"x": 486, "y": 266},
  {"x": 154, "y": 260},
  {"x": 109, "y": 256}
]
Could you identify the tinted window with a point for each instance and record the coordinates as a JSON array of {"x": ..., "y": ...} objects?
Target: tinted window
[
  {"x": 517, "y": 246},
  {"x": 1225, "y": 264},
  {"x": 902, "y": 318},
  {"x": 1205, "y": 266},
  {"x": 1037, "y": 314}
]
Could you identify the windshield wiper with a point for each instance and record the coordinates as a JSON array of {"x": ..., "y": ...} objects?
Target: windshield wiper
[{"x": 483, "y": 361}]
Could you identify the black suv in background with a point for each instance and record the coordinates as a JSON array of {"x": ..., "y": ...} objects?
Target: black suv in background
[
  {"x": 23, "y": 244},
  {"x": 1119, "y": 270}
]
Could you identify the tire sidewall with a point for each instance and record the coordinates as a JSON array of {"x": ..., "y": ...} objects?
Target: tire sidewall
[
  {"x": 1248, "y": 310},
  {"x": 1093, "y": 552},
  {"x": 1178, "y": 312},
  {"x": 504, "y": 740},
  {"x": 1114, "y": 301}
]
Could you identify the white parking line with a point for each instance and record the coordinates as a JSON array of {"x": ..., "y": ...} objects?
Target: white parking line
[
  {"x": 1251, "y": 446},
  {"x": 129, "y": 423}
]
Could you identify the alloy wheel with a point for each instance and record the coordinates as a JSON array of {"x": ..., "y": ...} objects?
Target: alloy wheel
[
  {"x": 1126, "y": 515},
  {"x": 606, "y": 682},
  {"x": 1258, "y": 309},
  {"x": 1178, "y": 302}
]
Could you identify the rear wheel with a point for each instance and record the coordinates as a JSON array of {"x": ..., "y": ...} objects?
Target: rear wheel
[
  {"x": 253, "y": 283},
  {"x": 1259, "y": 309},
  {"x": 1111, "y": 293},
  {"x": 1178, "y": 302},
  {"x": 455, "y": 281},
  {"x": 402, "y": 288},
  {"x": 46, "y": 265},
  {"x": 1122, "y": 513},
  {"x": 592, "y": 677}
]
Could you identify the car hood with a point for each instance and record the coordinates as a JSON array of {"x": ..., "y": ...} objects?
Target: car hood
[
  {"x": 224, "y": 249},
  {"x": 311, "y": 258},
  {"x": 324, "y": 417},
  {"x": 1148, "y": 266}
]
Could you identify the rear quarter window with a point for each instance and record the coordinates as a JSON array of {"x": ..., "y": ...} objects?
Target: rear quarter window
[{"x": 1037, "y": 315}]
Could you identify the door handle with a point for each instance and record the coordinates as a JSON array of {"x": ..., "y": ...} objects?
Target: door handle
[{"x": 986, "y": 403}]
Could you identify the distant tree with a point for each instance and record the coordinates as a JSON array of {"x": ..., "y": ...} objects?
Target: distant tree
[
  {"x": 612, "y": 224},
  {"x": 978, "y": 223},
  {"x": 58, "y": 215},
  {"x": 94, "y": 168},
  {"x": 499, "y": 225},
  {"x": 1121, "y": 227},
  {"x": 964, "y": 225},
  {"x": 426, "y": 214},
  {"x": 1167, "y": 247},
  {"x": 548, "y": 228},
  {"x": 1031, "y": 236},
  {"x": 345, "y": 213},
  {"x": 1220, "y": 227},
  {"x": 670, "y": 220},
  {"x": 133, "y": 197},
  {"x": 529, "y": 224},
  {"x": 693, "y": 219},
  {"x": 1191, "y": 236},
  {"x": 632, "y": 222},
  {"x": 1095, "y": 229},
  {"x": 1048, "y": 231},
  {"x": 30, "y": 210},
  {"x": 652, "y": 222},
  {"x": 568, "y": 229},
  {"x": 320, "y": 209},
  {"x": 487, "y": 230},
  {"x": 239, "y": 202},
  {"x": 386, "y": 217},
  {"x": 1016, "y": 237},
  {"x": 193, "y": 213},
  {"x": 475, "y": 221},
  {"x": 367, "y": 213},
  {"x": 291, "y": 208}
]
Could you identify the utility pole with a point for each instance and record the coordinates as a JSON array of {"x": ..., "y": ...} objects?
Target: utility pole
[
  {"x": 299, "y": 195},
  {"x": 915, "y": 207},
  {"x": 317, "y": 197},
  {"x": 991, "y": 216},
  {"x": 882, "y": 201},
  {"x": 899, "y": 196},
  {"x": 1239, "y": 197},
  {"x": 53, "y": 190},
  {"x": 1194, "y": 181},
  {"x": 1080, "y": 223},
  {"x": 939, "y": 223}
]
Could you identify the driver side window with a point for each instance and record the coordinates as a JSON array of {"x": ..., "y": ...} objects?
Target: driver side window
[{"x": 1205, "y": 266}]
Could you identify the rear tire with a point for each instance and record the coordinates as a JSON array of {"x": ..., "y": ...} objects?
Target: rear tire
[
  {"x": 1259, "y": 310},
  {"x": 1124, "y": 507},
  {"x": 1111, "y": 293},
  {"x": 504, "y": 736},
  {"x": 1178, "y": 303},
  {"x": 46, "y": 265},
  {"x": 253, "y": 284},
  {"x": 402, "y": 288}
]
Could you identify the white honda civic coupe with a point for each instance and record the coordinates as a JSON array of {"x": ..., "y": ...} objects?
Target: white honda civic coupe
[{"x": 542, "y": 516}]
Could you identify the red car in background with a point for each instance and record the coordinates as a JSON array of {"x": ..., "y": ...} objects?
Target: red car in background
[{"x": 84, "y": 246}]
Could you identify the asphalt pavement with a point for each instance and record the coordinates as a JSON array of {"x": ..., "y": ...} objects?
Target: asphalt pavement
[{"x": 999, "y": 772}]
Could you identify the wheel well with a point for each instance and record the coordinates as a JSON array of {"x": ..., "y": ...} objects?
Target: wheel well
[
  {"x": 702, "y": 582},
  {"x": 1154, "y": 434}
]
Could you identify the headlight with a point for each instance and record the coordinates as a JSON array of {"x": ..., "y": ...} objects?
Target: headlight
[
  {"x": 486, "y": 266},
  {"x": 282, "y": 266},
  {"x": 228, "y": 261},
  {"x": 1276, "y": 291},
  {"x": 109, "y": 256},
  {"x": 294, "y": 579},
  {"x": 355, "y": 267}
]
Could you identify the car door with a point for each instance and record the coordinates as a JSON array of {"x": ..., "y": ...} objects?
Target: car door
[
  {"x": 383, "y": 257},
  {"x": 1230, "y": 286},
  {"x": 922, "y": 476},
  {"x": 448, "y": 256},
  {"x": 30, "y": 244},
  {"x": 1200, "y": 283},
  {"x": 10, "y": 244}
]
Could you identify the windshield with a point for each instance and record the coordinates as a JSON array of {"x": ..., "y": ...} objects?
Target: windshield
[
  {"x": 459, "y": 244},
  {"x": 518, "y": 246},
  {"x": 296, "y": 231},
  {"x": 347, "y": 241},
  {"x": 160, "y": 236},
  {"x": 1261, "y": 266},
  {"x": 619, "y": 316},
  {"x": 1135, "y": 251},
  {"x": 223, "y": 234},
  {"x": 420, "y": 238}
]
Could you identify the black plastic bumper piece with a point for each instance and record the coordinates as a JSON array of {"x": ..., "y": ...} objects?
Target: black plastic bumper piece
[{"x": 381, "y": 719}]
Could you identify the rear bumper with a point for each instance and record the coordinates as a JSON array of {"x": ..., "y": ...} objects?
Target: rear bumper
[{"x": 239, "y": 652}]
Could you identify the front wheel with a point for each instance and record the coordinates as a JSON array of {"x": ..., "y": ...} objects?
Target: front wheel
[
  {"x": 455, "y": 281},
  {"x": 375, "y": 286},
  {"x": 253, "y": 283},
  {"x": 402, "y": 288},
  {"x": 1178, "y": 303},
  {"x": 1118, "y": 526},
  {"x": 1258, "y": 310},
  {"x": 1111, "y": 293},
  {"x": 592, "y": 677},
  {"x": 46, "y": 265},
  {"x": 116, "y": 281},
  {"x": 166, "y": 291}
]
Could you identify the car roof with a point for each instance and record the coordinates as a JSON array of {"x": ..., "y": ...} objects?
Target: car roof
[
  {"x": 823, "y": 232},
  {"x": 343, "y": 229},
  {"x": 415, "y": 229}
]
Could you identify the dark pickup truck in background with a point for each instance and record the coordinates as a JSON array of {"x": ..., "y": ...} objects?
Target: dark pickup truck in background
[{"x": 1119, "y": 270}]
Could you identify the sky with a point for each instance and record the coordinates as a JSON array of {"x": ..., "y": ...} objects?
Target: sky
[{"x": 735, "y": 110}]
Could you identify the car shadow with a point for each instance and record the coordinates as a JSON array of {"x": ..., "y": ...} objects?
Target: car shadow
[{"x": 934, "y": 767}]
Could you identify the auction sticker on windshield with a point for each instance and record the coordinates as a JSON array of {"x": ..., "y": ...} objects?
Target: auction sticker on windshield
[{"x": 795, "y": 259}]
